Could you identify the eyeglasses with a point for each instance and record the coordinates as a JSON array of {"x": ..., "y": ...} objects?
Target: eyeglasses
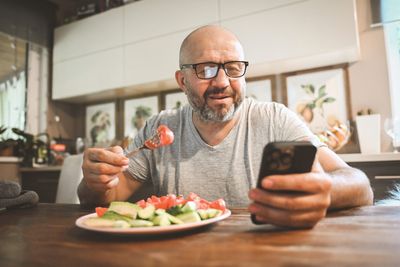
[{"x": 209, "y": 70}]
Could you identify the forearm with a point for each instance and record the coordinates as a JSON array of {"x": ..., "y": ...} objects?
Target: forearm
[{"x": 350, "y": 188}]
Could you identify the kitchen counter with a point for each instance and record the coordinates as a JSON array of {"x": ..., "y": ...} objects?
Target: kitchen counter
[
  {"x": 10, "y": 159},
  {"x": 358, "y": 157}
]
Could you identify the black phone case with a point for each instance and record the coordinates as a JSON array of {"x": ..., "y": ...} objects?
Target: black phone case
[{"x": 285, "y": 158}]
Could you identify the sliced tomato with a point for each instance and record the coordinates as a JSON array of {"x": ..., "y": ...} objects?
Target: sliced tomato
[
  {"x": 166, "y": 135},
  {"x": 218, "y": 204},
  {"x": 100, "y": 211},
  {"x": 141, "y": 203},
  {"x": 192, "y": 197},
  {"x": 180, "y": 200},
  {"x": 171, "y": 201},
  {"x": 163, "y": 137},
  {"x": 203, "y": 204}
]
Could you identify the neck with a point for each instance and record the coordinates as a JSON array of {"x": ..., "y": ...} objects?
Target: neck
[{"x": 213, "y": 133}]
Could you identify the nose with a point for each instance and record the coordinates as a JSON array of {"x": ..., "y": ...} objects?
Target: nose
[{"x": 221, "y": 80}]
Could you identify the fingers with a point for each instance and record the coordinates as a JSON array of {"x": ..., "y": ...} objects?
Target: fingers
[
  {"x": 102, "y": 166},
  {"x": 291, "y": 201},
  {"x": 295, "y": 200},
  {"x": 298, "y": 219},
  {"x": 312, "y": 182},
  {"x": 113, "y": 156}
]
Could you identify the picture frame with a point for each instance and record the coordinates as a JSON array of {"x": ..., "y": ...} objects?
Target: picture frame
[
  {"x": 137, "y": 111},
  {"x": 262, "y": 88},
  {"x": 175, "y": 99},
  {"x": 319, "y": 96},
  {"x": 100, "y": 124}
]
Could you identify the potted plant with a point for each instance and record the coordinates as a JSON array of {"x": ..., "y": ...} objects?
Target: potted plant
[
  {"x": 7, "y": 145},
  {"x": 25, "y": 147}
]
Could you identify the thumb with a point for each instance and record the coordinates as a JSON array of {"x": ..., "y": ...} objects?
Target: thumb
[{"x": 316, "y": 167}]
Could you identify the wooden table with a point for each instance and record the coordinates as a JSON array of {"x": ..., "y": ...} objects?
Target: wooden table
[{"x": 47, "y": 236}]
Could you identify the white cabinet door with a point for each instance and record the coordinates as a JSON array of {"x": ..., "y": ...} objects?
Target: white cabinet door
[
  {"x": 308, "y": 34},
  {"x": 88, "y": 74},
  {"x": 153, "y": 60},
  {"x": 93, "y": 34},
  {"x": 236, "y": 8},
  {"x": 154, "y": 18}
]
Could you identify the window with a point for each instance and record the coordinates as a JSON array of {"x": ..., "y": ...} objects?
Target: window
[
  {"x": 392, "y": 40},
  {"x": 23, "y": 85},
  {"x": 12, "y": 83}
]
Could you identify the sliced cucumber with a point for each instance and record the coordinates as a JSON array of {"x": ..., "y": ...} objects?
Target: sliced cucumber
[
  {"x": 212, "y": 213},
  {"x": 141, "y": 223},
  {"x": 173, "y": 219},
  {"x": 203, "y": 214},
  {"x": 162, "y": 220},
  {"x": 112, "y": 215},
  {"x": 147, "y": 213},
  {"x": 121, "y": 224},
  {"x": 99, "y": 222},
  {"x": 189, "y": 206},
  {"x": 124, "y": 208},
  {"x": 187, "y": 217},
  {"x": 160, "y": 211}
]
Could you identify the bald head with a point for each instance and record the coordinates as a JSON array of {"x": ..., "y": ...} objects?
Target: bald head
[{"x": 210, "y": 40}]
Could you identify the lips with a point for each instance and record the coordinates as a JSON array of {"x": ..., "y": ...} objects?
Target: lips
[{"x": 219, "y": 96}]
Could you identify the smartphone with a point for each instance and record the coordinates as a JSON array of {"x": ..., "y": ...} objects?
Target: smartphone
[{"x": 285, "y": 158}]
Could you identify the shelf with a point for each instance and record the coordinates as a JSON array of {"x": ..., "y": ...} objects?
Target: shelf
[{"x": 357, "y": 157}]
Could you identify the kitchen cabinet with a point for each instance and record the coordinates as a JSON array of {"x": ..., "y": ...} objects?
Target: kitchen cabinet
[
  {"x": 298, "y": 36},
  {"x": 144, "y": 38},
  {"x": 236, "y": 8},
  {"x": 88, "y": 36},
  {"x": 9, "y": 169},
  {"x": 89, "y": 74},
  {"x": 383, "y": 170},
  {"x": 154, "y": 18},
  {"x": 140, "y": 68},
  {"x": 42, "y": 180}
]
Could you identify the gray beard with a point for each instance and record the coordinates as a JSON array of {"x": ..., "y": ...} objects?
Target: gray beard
[{"x": 206, "y": 114}]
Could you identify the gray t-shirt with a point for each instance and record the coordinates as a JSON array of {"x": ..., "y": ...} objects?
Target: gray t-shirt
[{"x": 227, "y": 170}]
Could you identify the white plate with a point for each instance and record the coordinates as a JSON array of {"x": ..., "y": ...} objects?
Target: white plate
[{"x": 152, "y": 229}]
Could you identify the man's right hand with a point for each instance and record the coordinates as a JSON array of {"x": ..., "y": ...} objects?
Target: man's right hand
[{"x": 101, "y": 167}]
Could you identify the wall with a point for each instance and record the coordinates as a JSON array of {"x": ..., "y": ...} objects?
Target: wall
[{"x": 369, "y": 82}]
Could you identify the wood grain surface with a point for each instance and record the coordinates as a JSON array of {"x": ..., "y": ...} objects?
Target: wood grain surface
[{"x": 46, "y": 235}]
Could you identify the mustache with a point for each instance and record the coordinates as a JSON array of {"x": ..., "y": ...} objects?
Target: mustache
[{"x": 215, "y": 90}]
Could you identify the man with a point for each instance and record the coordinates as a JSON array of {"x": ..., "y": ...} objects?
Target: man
[{"x": 218, "y": 144}]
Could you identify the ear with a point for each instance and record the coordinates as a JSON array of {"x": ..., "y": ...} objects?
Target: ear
[{"x": 180, "y": 79}]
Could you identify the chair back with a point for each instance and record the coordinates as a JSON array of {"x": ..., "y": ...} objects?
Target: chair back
[{"x": 70, "y": 177}]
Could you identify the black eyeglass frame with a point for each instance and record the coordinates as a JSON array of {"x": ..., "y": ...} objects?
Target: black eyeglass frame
[{"x": 193, "y": 66}]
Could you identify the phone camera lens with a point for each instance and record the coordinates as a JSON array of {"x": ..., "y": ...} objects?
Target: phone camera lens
[
  {"x": 273, "y": 165},
  {"x": 275, "y": 155},
  {"x": 286, "y": 159}
]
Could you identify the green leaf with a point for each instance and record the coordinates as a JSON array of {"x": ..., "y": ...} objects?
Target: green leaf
[
  {"x": 308, "y": 89},
  {"x": 311, "y": 105},
  {"x": 312, "y": 88},
  {"x": 329, "y": 100},
  {"x": 322, "y": 91}
]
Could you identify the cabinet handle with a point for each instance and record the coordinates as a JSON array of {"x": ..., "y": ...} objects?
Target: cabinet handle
[{"x": 387, "y": 177}]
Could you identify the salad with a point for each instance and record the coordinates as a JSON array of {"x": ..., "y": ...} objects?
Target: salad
[{"x": 156, "y": 211}]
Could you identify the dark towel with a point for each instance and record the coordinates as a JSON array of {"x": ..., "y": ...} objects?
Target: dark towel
[
  {"x": 9, "y": 189},
  {"x": 11, "y": 196}
]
